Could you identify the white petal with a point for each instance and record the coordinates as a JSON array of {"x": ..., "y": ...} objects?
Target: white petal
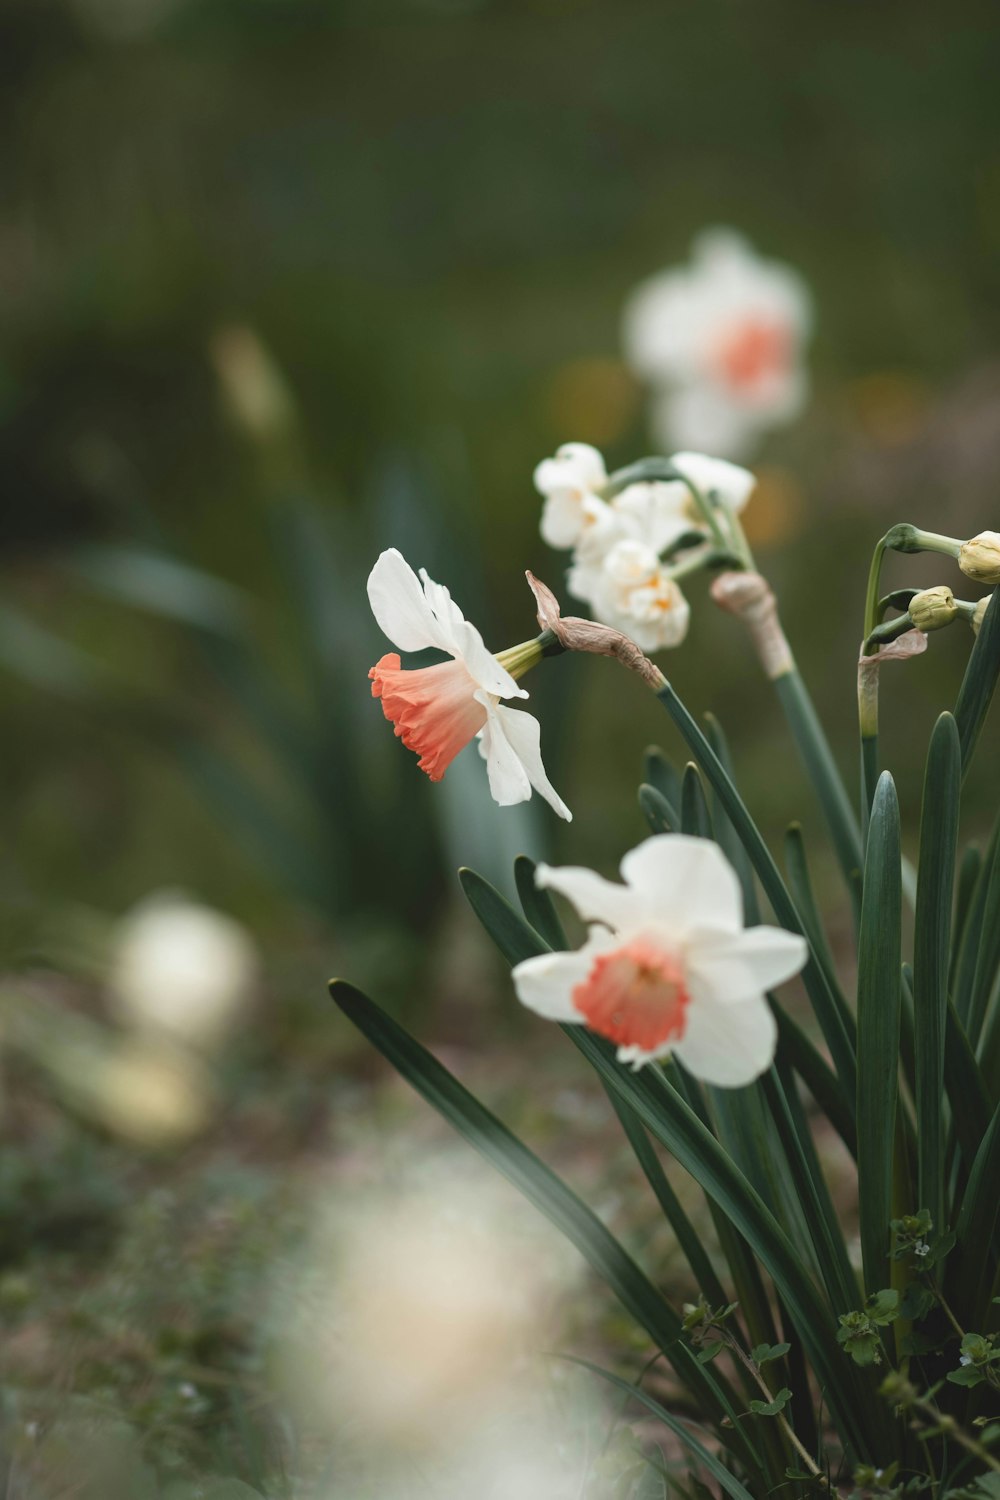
[
  {"x": 562, "y": 518},
  {"x": 685, "y": 883},
  {"x": 522, "y": 733},
  {"x": 735, "y": 968},
  {"x": 733, "y": 483},
  {"x": 508, "y": 779},
  {"x": 728, "y": 1045},
  {"x": 703, "y": 416},
  {"x": 595, "y": 899},
  {"x": 576, "y": 466},
  {"x": 545, "y": 984},
  {"x": 400, "y": 605},
  {"x": 460, "y": 637}
]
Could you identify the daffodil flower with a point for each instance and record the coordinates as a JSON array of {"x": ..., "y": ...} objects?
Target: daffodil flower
[
  {"x": 668, "y": 967},
  {"x": 721, "y": 341},
  {"x": 438, "y": 710},
  {"x": 569, "y": 481},
  {"x": 634, "y": 592}
]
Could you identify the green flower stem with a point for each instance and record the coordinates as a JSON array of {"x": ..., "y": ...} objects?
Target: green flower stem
[
  {"x": 648, "y": 469},
  {"x": 814, "y": 749},
  {"x": 754, "y": 1371}
]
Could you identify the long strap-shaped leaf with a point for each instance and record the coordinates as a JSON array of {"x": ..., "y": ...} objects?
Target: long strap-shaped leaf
[
  {"x": 838, "y": 1039},
  {"x": 979, "y": 682},
  {"x": 931, "y": 947},
  {"x": 548, "y": 1193},
  {"x": 879, "y": 987},
  {"x": 972, "y": 1270},
  {"x": 719, "y": 1472},
  {"x": 678, "y": 1128}
]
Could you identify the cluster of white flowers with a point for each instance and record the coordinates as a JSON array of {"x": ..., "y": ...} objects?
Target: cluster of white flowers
[
  {"x": 618, "y": 567},
  {"x": 721, "y": 343}
]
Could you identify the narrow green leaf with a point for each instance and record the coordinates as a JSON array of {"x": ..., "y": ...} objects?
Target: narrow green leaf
[
  {"x": 797, "y": 1050},
  {"x": 797, "y": 866},
  {"x": 542, "y": 1187},
  {"x": 968, "y": 878},
  {"x": 964, "y": 962},
  {"x": 979, "y": 681},
  {"x": 931, "y": 947},
  {"x": 827, "y": 782},
  {"x": 878, "y": 1029},
  {"x": 836, "y": 1034},
  {"x": 675, "y": 1125},
  {"x": 987, "y": 966},
  {"x": 968, "y": 1095},
  {"x": 160, "y": 584},
  {"x": 660, "y": 772},
  {"x": 687, "y": 1236},
  {"x": 661, "y": 816},
  {"x": 727, "y": 1481},
  {"x": 538, "y": 906},
  {"x": 695, "y": 818},
  {"x": 511, "y": 933},
  {"x": 728, "y": 839},
  {"x": 971, "y": 1272}
]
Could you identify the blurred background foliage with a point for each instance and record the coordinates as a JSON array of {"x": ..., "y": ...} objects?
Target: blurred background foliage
[{"x": 288, "y": 281}]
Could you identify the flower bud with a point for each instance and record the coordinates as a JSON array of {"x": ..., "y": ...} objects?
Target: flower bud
[
  {"x": 934, "y": 608},
  {"x": 980, "y": 614},
  {"x": 980, "y": 557}
]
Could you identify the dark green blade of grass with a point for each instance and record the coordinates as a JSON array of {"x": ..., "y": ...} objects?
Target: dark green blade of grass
[
  {"x": 671, "y": 1121},
  {"x": 797, "y": 867},
  {"x": 878, "y": 1030},
  {"x": 542, "y": 1187},
  {"x": 660, "y": 814},
  {"x": 729, "y": 839},
  {"x": 837, "y": 1035},
  {"x": 537, "y": 904},
  {"x": 695, "y": 817},
  {"x": 726, "y": 1481},
  {"x": 661, "y": 773},
  {"x": 979, "y": 682},
  {"x": 972, "y": 1269},
  {"x": 965, "y": 960},
  {"x": 987, "y": 965},
  {"x": 968, "y": 878},
  {"x": 931, "y": 947}
]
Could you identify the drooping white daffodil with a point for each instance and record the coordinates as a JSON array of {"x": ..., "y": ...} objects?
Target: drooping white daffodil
[
  {"x": 437, "y": 710},
  {"x": 721, "y": 342},
  {"x": 668, "y": 967},
  {"x": 633, "y": 592},
  {"x": 568, "y": 481}
]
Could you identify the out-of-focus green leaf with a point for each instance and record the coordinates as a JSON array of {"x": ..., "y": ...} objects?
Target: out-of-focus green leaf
[
  {"x": 800, "y": 885},
  {"x": 160, "y": 585},
  {"x": 972, "y": 1270},
  {"x": 931, "y": 947},
  {"x": 878, "y": 1028},
  {"x": 45, "y": 660}
]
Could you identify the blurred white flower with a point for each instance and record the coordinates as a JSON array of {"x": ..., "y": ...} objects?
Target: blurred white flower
[
  {"x": 182, "y": 970},
  {"x": 568, "y": 481},
  {"x": 720, "y": 340},
  {"x": 633, "y": 592},
  {"x": 667, "y": 966},
  {"x": 428, "y": 1302}
]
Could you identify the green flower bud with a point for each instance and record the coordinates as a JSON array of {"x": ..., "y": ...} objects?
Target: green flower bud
[
  {"x": 978, "y": 617},
  {"x": 934, "y": 608},
  {"x": 980, "y": 557}
]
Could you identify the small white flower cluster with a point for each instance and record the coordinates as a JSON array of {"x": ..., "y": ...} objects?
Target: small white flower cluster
[{"x": 618, "y": 543}]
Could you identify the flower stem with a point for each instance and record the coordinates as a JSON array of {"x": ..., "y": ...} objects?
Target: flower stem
[{"x": 761, "y": 1384}]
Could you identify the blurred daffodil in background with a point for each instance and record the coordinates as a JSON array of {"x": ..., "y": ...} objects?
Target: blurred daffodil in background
[{"x": 721, "y": 343}]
